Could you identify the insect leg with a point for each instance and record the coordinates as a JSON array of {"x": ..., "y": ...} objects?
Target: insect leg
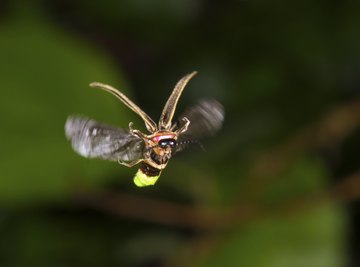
[
  {"x": 184, "y": 127},
  {"x": 136, "y": 132}
]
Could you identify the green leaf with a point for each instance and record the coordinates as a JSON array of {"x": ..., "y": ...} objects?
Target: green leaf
[
  {"x": 45, "y": 74},
  {"x": 313, "y": 239}
]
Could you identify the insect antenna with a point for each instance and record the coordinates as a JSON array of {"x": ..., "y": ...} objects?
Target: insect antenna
[
  {"x": 149, "y": 123},
  {"x": 187, "y": 142}
]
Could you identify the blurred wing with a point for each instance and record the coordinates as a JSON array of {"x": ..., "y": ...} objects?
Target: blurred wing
[
  {"x": 95, "y": 140},
  {"x": 206, "y": 118}
]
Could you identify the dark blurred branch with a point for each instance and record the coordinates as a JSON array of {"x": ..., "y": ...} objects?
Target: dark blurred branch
[
  {"x": 335, "y": 126},
  {"x": 205, "y": 218},
  {"x": 205, "y": 245},
  {"x": 212, "y": 222},
  {"x": 152, "y": 210},
  {"x": 348, "y": 189}
]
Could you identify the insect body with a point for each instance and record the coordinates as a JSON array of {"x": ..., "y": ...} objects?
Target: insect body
[{"x": 153, "y": 151}]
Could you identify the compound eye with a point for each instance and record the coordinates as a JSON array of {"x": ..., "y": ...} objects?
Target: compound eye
[
  {"x": 172, "y": 143},
  {"x": 163, "y": 144}
]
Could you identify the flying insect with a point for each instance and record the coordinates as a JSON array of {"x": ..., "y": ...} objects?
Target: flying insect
[{"x": 152, "y": 151}]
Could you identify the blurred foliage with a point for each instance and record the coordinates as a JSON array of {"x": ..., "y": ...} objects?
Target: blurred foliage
[
  {"x": 292, "y": 241},
  {"x": 277, "y": 67},
  {"x": 45, "y": 79}
]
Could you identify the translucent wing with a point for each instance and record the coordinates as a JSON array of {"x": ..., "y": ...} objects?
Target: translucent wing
[
  {"x": 95, "y": 140},
  {"x": 206, "y": 118}
]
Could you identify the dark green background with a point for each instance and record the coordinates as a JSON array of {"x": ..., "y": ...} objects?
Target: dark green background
[{"x": 277, "y": 66}]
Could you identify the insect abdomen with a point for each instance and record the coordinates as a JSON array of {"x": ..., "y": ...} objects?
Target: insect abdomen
[{"x": 146, "y": 175}]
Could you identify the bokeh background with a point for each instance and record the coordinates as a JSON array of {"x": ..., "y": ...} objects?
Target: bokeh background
[{"x": 277, "y": 187}]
